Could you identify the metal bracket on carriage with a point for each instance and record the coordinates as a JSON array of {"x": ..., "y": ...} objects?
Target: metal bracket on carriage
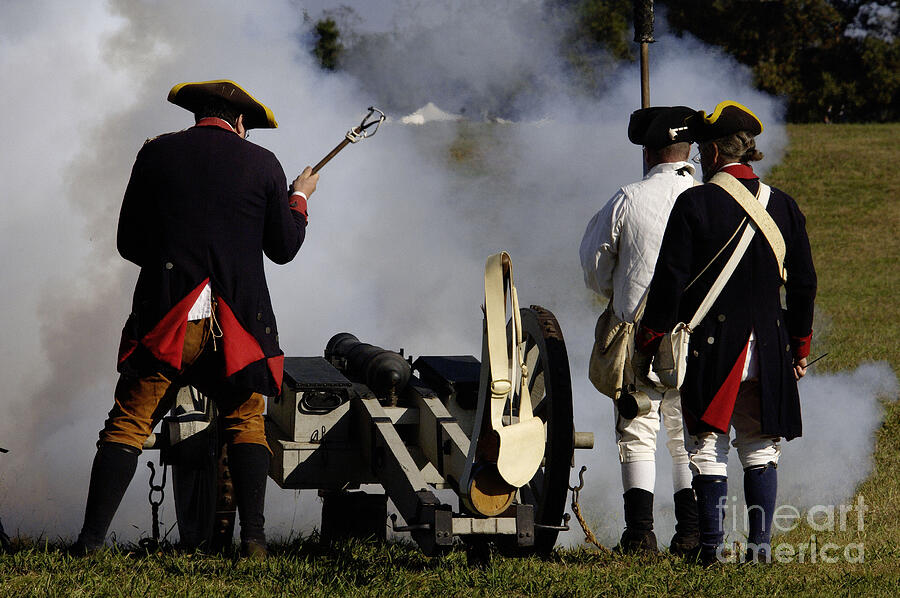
[
  {"x": 502, "y": 458},
  {"x": 414, "y": 527}
]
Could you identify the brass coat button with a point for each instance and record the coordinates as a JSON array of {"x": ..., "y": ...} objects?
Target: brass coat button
[
  {"x": 169, "y": 265},
  {"x": 721, "y": 317},
  {"x": 710, "y": 340}
]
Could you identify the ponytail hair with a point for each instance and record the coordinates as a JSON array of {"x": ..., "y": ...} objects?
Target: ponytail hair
[{"x": 739, "y": 147}]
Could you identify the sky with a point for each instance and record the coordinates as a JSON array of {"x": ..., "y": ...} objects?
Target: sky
[{"x": 399, "y": 227}]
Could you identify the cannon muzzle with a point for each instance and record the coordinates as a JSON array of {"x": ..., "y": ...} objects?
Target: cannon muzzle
[{"x": 384, "y": 372}]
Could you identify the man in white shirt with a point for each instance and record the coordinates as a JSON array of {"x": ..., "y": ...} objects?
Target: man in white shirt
[{"x": 618, "y": 255}]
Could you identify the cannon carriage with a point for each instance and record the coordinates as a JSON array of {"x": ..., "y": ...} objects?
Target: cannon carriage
[{"x": 495, "y": 435}]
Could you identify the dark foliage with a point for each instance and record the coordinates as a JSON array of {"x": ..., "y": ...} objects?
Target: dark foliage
[
  {"x": 800, "y": 49},
  {"x": 328, "y": 48}
]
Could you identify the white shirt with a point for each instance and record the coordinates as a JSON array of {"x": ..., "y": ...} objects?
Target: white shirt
[
  {"x": 621, "y": 243},
  {"x": 202, "y": 307}
]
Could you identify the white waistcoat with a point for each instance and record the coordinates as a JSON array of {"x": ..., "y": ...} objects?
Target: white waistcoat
[{"x": 621, "y": 243}]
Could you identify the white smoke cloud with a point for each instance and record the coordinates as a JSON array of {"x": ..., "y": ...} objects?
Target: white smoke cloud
[{"x": 398, "y": 231}]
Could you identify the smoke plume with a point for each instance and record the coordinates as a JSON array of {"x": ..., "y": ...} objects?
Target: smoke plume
[{"x": 399, "y": 228}]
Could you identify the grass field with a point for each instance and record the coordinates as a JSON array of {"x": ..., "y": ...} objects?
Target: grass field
[{"x": 844, "y": 178}]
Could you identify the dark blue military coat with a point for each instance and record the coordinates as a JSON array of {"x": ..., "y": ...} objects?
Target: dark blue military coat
[
  {"x": 702, "y": 220},
  {"x": 203, "y": 206}
]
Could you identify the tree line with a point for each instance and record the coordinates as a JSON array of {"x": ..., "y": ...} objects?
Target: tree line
[{"x": 833, "y": 60}]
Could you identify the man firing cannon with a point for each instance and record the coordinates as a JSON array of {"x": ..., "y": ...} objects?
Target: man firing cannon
[{"x": 202, "y": 207}]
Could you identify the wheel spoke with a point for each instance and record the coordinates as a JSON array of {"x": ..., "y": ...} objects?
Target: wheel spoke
[
  {"x": 532, "y": 354},
  {"x": 540, "y": 408},
  {"x": 526, "y": 495},
  {"x": 536, "y": 485},
  {"x": 535, "y": 373},
  {"x": 538, "y": 391}
]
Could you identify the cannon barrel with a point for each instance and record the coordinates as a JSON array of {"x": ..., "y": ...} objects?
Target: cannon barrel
[{"x": 384, "y": 372}]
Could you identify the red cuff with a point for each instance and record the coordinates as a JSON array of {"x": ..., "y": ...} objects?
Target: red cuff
[
  {"x": 800, "y": 346},
  {"x": 298, "y": 203},
  {"x": 647, "y": 340}
]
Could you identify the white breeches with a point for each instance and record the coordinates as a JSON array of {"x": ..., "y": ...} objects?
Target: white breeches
[
  {"x": 636, "y": 439},
  {"x": 708, "y": 451}
]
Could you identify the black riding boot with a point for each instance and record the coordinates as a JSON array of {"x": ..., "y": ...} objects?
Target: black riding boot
[
  {"x": 113, "y": 468},
  {"x": 638, "y": 535},
  {"x": 686, "y": 541},
  {"x": 249, "y": 465}
]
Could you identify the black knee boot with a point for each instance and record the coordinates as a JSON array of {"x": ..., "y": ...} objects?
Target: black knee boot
[
  {"x": 249, "y": 465},
  {"x": 760, "y": 488},
  {"x": 686, "y": 541},
  {"x": 113, "y": 468},
  {"x": 712, "y": 494},
  {"x": 638, "y": 535}
]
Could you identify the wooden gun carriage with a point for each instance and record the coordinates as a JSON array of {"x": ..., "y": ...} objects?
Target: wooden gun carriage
[{"x": 498, "y": 432}]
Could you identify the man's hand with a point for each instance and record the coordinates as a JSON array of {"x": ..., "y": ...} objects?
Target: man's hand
[
  {"x": 640, "y": 365},
  {"x": 799, "y": 368},
  {"x": 306, "y": 182}
]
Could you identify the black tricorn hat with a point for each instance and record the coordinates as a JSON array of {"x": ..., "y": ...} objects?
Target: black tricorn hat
[
  {"x": 193, "y": 96},
  {"x": 659, "y": 126},
  {"x": 726, "y": 119}
]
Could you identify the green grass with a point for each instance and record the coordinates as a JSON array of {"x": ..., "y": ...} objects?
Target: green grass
[
  {"x": 844, "y": 178},
  {"x": 366, "y": 569}
]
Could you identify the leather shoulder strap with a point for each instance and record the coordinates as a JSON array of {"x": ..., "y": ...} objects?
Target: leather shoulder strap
[{"x": 756, "y": 211}]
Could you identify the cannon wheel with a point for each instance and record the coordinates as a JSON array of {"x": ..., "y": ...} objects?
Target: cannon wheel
[
  {"x": 203, "y": 493},
  {"x": 550, "y": 385}
]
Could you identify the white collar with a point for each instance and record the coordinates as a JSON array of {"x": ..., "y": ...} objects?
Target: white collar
[{"x": 671, "y": 167}]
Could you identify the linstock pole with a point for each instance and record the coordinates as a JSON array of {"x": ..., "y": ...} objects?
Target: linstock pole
[
  {"x": 643, "y": 34},
  {"x": 645, "y": 75},
  {"x": 330, "y": 155},
  {"x": 372, "y": 121}
]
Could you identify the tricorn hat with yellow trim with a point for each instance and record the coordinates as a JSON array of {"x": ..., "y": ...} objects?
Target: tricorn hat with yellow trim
[
  {"x": 659, "y": 126},
  {"x": 193, "y": 96},
  {"x": 727, "y": 118}
]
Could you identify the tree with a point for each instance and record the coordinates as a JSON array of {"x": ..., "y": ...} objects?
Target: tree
[
  {"x": 328, "y": 48},
  {"x": 801, "y": 49},
  {"x": 597, "y": 37}
]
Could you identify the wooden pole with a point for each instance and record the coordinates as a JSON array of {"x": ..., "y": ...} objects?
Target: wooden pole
[
  {"x": 330, "y": 155},
  {"x": 645, "y": 75},
  {"x": 643, "y": 34}
]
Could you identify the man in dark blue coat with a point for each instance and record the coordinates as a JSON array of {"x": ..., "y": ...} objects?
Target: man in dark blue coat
[
  {"x": 201, "y": 209},
  {"x": 746, "y": 355}
]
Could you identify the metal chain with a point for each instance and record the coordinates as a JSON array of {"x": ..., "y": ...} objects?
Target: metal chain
[
  {"x": 589, "y": 536},
  {"x": 152, "y": 544}
]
